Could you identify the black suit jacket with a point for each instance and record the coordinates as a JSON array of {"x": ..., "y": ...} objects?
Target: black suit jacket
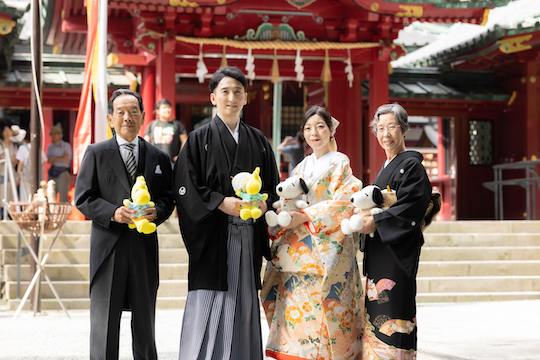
[{"x": 102, "y": 185}]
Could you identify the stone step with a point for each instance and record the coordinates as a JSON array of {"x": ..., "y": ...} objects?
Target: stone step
[
  {"x": 162, "y": 303},
  {"x": 476, "y": 296},
  {"x": 481, "y": 239},
  {"x": 82, "y": 241},
  {"x": 467, "y": 284},
  {"x": 445, "y": 253},
  {"x": 479, "y": 268},
  {"x": 83, "y": 227},
  {"x": 484, "y": 226},
  {"x": 80, "y": 289},
  {"x": 425, "y": 285},
  {"x": 81, "y": 272},
  {"x": 82, "y": 256}
]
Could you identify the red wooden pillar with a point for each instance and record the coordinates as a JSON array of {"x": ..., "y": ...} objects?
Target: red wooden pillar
[
  {"x": 165, "y": 77},
  {"x": 148, "y": 91},
  {"x": 533, "y": 135},
  {"x": 378, "y": 95},
  {"x": 344, "y": 103}
]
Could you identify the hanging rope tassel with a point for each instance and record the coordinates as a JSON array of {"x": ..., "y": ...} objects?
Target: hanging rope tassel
[
  {"x": 275, "y": 68},
  {"x": 326, "y": 74},
  {"x": 349, "y": 69},
  {"x": 299, "y": 68},
  {"x": 224, "y": 57},
  {"x": 202, "y": 70},
  {"x": 250, "y": 67}
]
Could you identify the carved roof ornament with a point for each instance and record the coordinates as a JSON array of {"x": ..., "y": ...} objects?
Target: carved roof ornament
[
  {"x": 300, "y": 3},
  {"x": 269, "y": 32},
  {"x": 6, "y": 26}
]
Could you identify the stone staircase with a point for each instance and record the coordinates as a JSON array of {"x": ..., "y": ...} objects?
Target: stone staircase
[
  {"x": 461, "y": 261},
  {"x": 68, "y": 268},
  {"x": 480, "y": 261}
]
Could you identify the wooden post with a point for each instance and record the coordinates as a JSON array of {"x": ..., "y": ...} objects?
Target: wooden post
[
  {"x": 165, "y": 78},
  {"x": 35, "y": 129}
]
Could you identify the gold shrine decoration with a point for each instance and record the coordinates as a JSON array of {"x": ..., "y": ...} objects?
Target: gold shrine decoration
[
  {"x": 6, "y": 26},
  {"x": 515, "y": 44},
  {"x": 276, "y": 44}
]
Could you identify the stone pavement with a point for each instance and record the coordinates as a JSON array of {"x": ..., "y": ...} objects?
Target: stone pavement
[{"x": 477, "y": 330}]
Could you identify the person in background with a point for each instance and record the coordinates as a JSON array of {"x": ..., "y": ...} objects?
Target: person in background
[
  {"x": 312, "y": 292},
  {"x": 294, "y": 148},
  {"x": 24, "y": 166},
  {"x": 59, "y": 155},
  {"x": 124, "y": 266},
  {"x": 166, "y": 133},
  {"x": 8, "y": 142},
  {"x": 222, "y": 315},
  {"x": 391, "y": 257}
]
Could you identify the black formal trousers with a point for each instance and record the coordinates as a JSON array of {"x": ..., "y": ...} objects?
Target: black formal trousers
[{"x": 128, "y": 277}]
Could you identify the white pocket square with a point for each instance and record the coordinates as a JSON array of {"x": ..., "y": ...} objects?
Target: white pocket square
[{"x": 158, "y": 170}]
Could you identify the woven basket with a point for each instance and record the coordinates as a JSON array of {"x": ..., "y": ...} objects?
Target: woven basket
[{"x": 28, "y": 216}]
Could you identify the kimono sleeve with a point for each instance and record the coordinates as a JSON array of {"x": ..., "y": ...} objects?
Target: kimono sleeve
[
  {"x": 326, "y": 216},
  {"x": 189, "y": 183},
  {"x": 402, "y": 220}
]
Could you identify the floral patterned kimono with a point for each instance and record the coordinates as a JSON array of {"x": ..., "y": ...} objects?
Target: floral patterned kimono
[{"x": 312, "y": 294}]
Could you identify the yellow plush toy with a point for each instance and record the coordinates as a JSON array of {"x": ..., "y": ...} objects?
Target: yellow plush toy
[
  {"x": 141, "y": 201},
  {"x": 247, "y": 187}
]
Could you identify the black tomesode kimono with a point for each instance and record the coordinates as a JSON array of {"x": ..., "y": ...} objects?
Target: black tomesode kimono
[
  {"x": 391, "y": 261},
  {"x": 202, "y": 179}
]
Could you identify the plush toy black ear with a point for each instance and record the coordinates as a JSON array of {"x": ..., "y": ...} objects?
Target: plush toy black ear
[
  {"x": 377, "y": 196},
  {"x": 303, "y": 185}
]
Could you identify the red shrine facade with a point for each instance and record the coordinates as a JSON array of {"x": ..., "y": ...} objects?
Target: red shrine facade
[{"x": 335, "y": 53}]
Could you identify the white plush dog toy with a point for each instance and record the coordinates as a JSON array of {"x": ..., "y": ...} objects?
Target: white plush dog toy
[
  {"x": 367, "y": 201},
  {"x": 289, "y": 192}
]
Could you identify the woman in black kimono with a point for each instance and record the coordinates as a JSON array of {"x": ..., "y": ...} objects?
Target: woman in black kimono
[{"x": 391, "y": 256}]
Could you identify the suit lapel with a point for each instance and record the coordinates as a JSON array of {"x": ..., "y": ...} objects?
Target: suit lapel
[{"x": 117, "y": 164}]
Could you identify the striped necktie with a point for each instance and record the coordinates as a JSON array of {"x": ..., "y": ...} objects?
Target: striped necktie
[{"x": 130, "y": 161}]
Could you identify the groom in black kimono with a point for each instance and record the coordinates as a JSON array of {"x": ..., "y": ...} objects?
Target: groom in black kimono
[{"x": 222, "y": 314}]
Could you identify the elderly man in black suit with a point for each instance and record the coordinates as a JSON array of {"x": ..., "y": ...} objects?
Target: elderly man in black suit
[{"x": 123, "y": 262}]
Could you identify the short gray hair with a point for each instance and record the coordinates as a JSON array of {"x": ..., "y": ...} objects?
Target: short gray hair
[{"x": 395, "y": 109}]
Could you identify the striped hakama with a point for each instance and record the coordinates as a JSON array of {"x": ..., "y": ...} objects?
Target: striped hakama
[{"x": 226, "y": 324}]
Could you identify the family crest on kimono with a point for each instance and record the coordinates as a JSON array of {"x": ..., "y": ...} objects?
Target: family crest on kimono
[{"x": 312, "y": 293}]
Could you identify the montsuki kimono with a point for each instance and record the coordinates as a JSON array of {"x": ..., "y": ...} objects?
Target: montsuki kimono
[
  {"x": 391, "y": 261},
  {"x": 312, "y": 294}
]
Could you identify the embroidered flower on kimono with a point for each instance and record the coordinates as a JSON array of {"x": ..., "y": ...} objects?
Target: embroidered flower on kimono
[
  {"x": 307, "y": 307},
  {"x": 284, "y": 348},
  {"x": 316, "y": 297},
  {"x": 339, "y": 310},
  {"x": 347, "y": 319},
  {"x": 326, "y": 220},
  {"x": 292, "y": 251},
  {"x": 300, "y": 294},
  {"x": 294, "y": 315},
  {"x": 346, "y": 296},
  {"x": 306, "y": 258},
  {"x": 303, "y": 249},
  {"x": 312, "y": 269}
]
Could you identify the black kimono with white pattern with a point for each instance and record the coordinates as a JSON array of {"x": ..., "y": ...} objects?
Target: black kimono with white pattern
[{"x": 391, "y": 260}]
